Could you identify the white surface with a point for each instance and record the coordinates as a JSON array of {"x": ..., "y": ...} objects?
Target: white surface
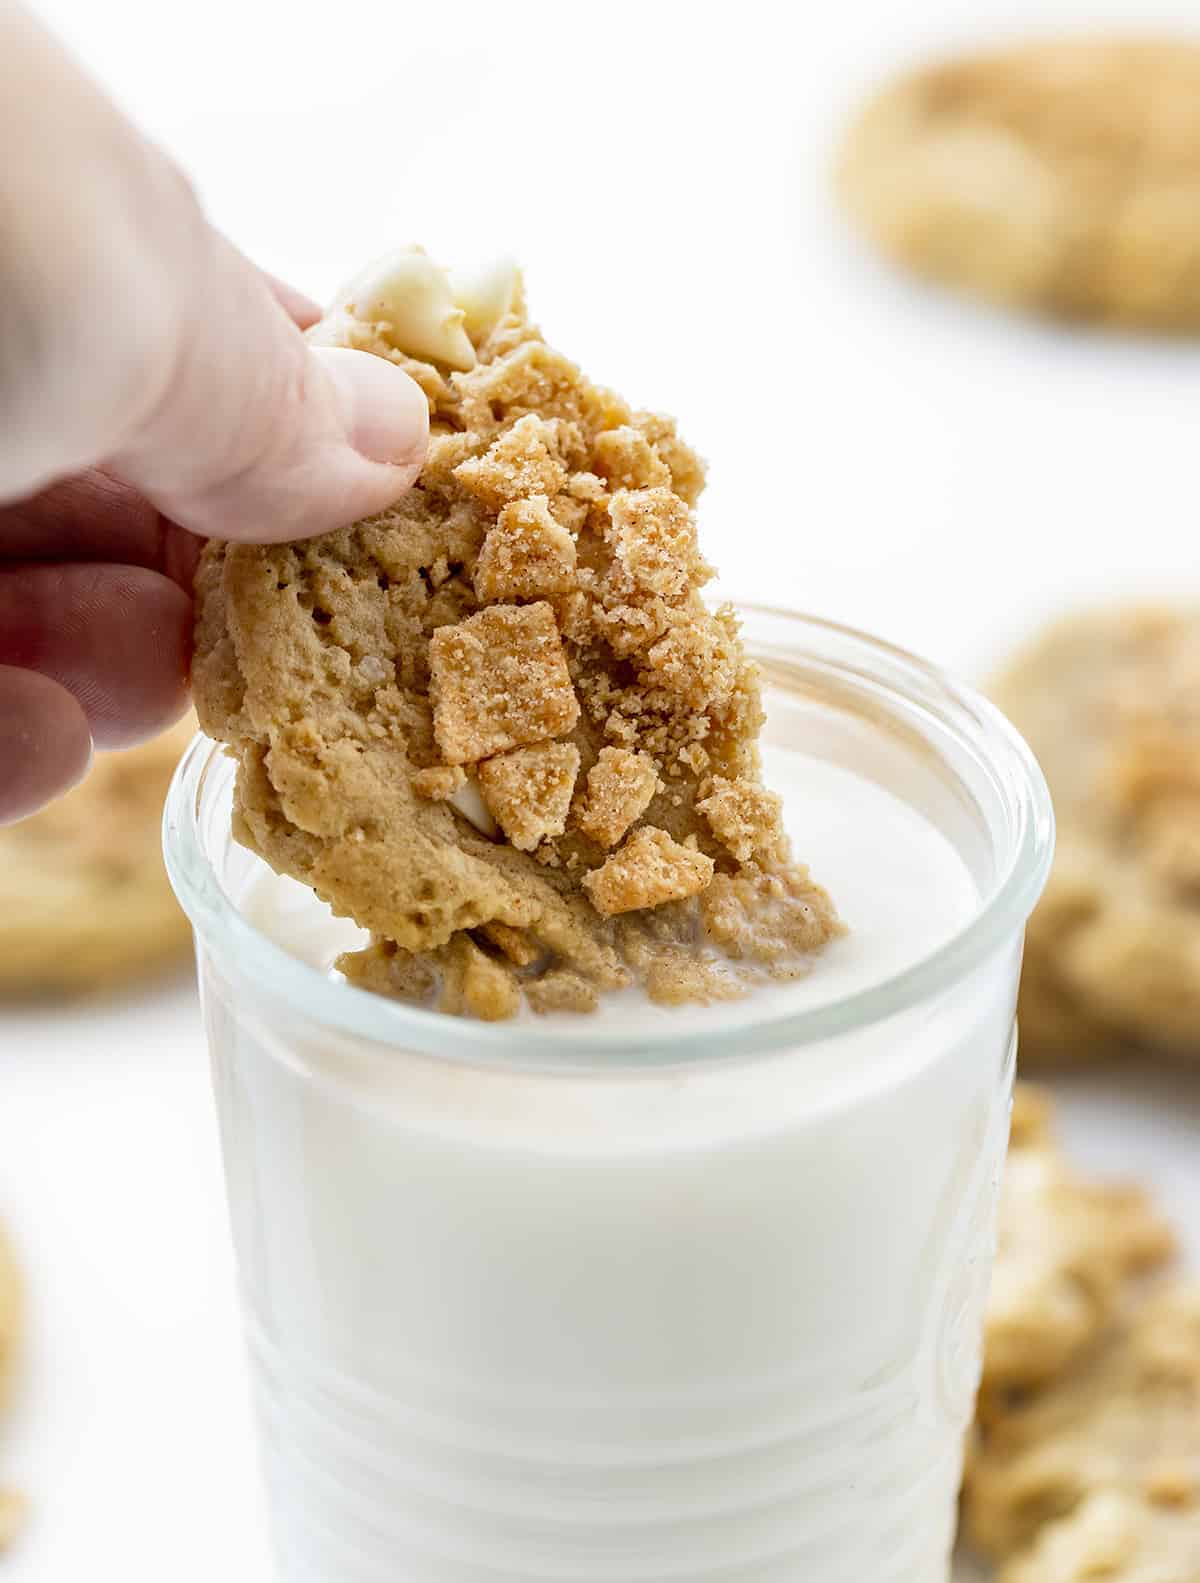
[{"x": 940, "y": 474}]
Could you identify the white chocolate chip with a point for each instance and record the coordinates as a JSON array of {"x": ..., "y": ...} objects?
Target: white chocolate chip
[
  {"x": 407, "y": 297},
  {"x": 469, "y": 802},
  {"x": 372, "y": 670},
  {"x": 485, "y": 295}
]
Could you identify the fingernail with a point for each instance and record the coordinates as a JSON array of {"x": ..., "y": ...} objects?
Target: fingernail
[{"x": 384, "y": 411}]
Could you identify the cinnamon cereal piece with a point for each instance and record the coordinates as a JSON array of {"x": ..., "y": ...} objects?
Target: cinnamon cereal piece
[
  {"x": 440, "y": 782},
  {"x": 620, "y": 787},
  {"x": 526, "y": 555},
  {"x": 697, "y": 661},
  {"x": 654, "y": 538},
  {"x": 521, "y": 462},
  {"x": 649, "y": 869},
  {"x": 744, "y": 816},
  {"x": 499, "y": 680},
  {"x": 529, "y": 790}
]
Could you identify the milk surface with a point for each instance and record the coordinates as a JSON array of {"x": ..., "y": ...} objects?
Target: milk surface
[
  {"x": 898, "y": 883},
  {"x": 635, "y": 1323}
]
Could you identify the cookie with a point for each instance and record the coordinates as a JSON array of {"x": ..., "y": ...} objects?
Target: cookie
[
  {"x": 12, "y": 1505},
  {"x": 10, "y": 1315},
  {"x": 1125, "y": 1418},
  {"x": 498, "y": 725},
  {"x": 84, "y": 898},
  {"x": 1122, "y": 1537},
  {"x": 1109, "y": 700},
  {"x": 1067, "y": 1250},
  {"x": 1059, "y": 176}
]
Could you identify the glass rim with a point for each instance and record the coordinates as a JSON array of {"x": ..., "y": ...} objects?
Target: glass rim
[{"x": 348, "y": 1009}]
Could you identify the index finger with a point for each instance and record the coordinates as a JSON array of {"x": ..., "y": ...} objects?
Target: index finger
[{"x": 96, "y": 517}]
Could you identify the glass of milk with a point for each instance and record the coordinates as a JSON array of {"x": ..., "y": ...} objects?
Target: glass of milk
[{"x": 656, "y": 1294}]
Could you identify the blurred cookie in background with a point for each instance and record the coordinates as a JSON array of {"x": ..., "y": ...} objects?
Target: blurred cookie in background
[
  {"x": 84, "y": 898},
  {"x": 1059, "y": 176},
  {"x": 1109, "y": 700},
  {"x": 12, "y": 1505},
  {"x": 1068, "y": 1250},
  {"x": 1124, "y": 1420},
  {"x": 1084, "y": 1461}
]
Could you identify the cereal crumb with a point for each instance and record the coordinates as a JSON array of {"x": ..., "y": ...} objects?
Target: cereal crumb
[
  {"x": 528, "y": 791},
  {"x": 698, "y": 660},
  {"x": 521, "y": 462},
  {"x": 745, "y": 817},
  {"x": 620, "y": 787},
  {"x": 526, "y": 555},
  {"x": 649, "y": 869},
  {"x": 654, "y": 538}
]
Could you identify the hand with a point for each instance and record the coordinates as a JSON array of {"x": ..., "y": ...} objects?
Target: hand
[{"x": 154, "y": 386}]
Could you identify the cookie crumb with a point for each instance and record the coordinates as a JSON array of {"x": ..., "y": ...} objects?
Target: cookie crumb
[
  {"x": 521, "y": 462},
  {"x": 561, "y": 991},
  {"x": 620, "y": 787},
  {"x": 517, "y": 945},
  {"x": 746, "y": 818},
  {"x": 440, "y": 782}
]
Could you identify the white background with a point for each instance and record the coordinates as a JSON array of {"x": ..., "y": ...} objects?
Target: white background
[{"x": 940, "y": 474}]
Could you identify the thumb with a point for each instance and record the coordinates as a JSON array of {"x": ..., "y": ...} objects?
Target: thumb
[
  {"x": 258, "y": 435},
  {"x": 168, "y": 357}
]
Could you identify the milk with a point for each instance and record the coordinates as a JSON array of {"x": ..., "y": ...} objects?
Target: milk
[{"x": 629, "y": 1320}]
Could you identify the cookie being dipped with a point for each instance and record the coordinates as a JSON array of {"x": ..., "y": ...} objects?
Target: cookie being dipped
[{"x": 498, "y": 725}]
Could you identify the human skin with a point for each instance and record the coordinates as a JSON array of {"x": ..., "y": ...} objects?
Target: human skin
[{"x": 155, "y": 389}]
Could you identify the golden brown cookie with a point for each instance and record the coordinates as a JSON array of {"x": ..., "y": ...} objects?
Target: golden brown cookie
[
  {"x": 10, "y": 1315},
  {"x": 12, "y": 1505},
  {"x": 84, "y": 898},
  {"x": 1066, "y": 1252},
  {"x": 498, "y": 725},
  {"x": 1109, "y": 700},
  {"x": 1061, "y": 176},
  {"x": 1126, "y": 1417},
  {"x": 1117, "y": 1536}
]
